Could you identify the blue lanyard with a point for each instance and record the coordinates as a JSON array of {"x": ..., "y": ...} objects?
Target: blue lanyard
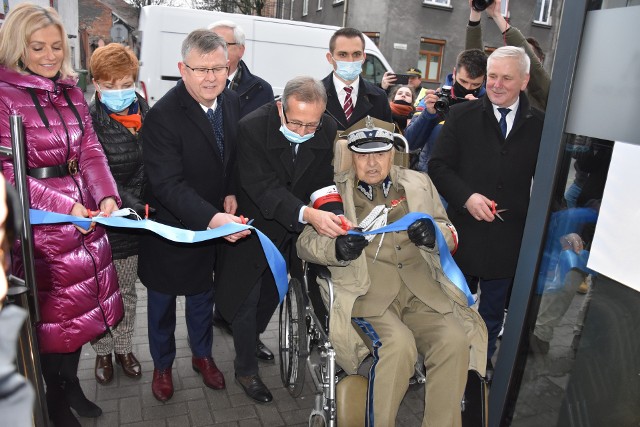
[
  {"x": 274, "y": 257},
  {"x": 449, "y": 266}
]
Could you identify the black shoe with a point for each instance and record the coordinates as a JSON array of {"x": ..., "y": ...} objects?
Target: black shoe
[
  {"x": 489, "y": 374},
  {"x": 255, "y": 388},
  {"x": 219, "y": 322},
  {"x": 262, "y": 352},
  {"x": 78, "y": 401},
  {"x": 59, "y": 411}
]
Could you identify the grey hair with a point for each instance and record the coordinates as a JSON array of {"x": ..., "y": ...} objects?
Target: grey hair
[
  {"x": 238, "y": 33},
  {"x": 517, "y": 53},
  {"x": 304, "y": 89},
  {"x": 204, "y": 41}
]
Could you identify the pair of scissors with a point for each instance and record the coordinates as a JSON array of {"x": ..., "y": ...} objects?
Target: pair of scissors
[
  {"x": 497, "y": 212},
  {"x": 246, "y": 221}
]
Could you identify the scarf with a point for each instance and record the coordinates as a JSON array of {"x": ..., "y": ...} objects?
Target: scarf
[{"x": 129, "y": 120}]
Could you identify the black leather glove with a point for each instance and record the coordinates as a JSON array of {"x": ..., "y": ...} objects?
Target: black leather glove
[
  {"x": 422, "y": 233},
  {"x": 350, "y": 246}
]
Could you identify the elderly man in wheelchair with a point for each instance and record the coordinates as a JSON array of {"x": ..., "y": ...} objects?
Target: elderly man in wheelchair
[{"x": 391, "y": 296}]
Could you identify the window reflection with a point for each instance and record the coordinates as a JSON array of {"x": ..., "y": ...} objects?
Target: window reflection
[{"x": 564, "y": 283}]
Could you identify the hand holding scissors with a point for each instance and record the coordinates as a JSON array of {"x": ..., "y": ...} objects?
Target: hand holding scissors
[{"x": 497, "y": 212}]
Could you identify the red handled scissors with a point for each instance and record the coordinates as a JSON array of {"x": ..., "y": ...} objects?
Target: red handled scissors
[
  {"x": 497, "y": 212},
  {"x": 344, "y": 225}
]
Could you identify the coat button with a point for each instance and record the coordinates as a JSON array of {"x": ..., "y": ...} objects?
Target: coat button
[
  {"x": 398, "y": 247},
  {"x": 504, "y": 152},
  {"x": 400, "y": 265},
  {"x": 500, "y": 186}
]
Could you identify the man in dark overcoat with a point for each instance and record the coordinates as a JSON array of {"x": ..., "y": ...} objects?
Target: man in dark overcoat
[
  {"x": 189, "y": 139},
  {"x": 285, "y": 150},
  {"x": 350, "y": 98},
  {"x": 252, "y": 90},
  {"x": 484, "y": 161}
]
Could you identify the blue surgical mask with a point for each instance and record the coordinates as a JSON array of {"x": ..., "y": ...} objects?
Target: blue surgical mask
[
  {"x": 348, "y": 71},
  {"x": 117, "y": 100},
  {"x": 293, "y": 137}
]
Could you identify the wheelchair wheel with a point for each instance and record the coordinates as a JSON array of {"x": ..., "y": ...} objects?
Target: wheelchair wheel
[{"x": 293, "y": 339}]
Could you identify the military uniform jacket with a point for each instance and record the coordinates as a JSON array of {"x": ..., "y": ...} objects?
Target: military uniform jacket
[{"x": 352, "y": 279}]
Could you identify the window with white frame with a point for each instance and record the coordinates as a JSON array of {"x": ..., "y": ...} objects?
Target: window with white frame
[
  {"x": 305, "y": 7},
  {"x": 438, "y": 2},
  {"x": 319, "y": 4},
  {"x": 542, "y": 14}
]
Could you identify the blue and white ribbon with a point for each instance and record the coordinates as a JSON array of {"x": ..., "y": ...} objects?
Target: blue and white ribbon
[
  {"x": 449, "y": 266},
  {"x": 274, "y": 257}
]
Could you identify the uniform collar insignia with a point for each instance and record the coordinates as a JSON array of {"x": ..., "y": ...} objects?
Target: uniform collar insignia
[{"x": 367, "y": 189}]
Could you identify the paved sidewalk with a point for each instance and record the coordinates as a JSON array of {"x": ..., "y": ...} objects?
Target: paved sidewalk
[{"x": 129, "y": 402}]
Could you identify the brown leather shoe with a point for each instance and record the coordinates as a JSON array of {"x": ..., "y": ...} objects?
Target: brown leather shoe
[
  {"x": 211, "y": 375},
  {"x": 104, "y": 369},
  {"x": 162, "y": 384},
  {"x": 130, "y": 365}
]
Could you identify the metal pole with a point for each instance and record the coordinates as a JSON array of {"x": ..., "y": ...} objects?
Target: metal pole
[
  {"x": 20, "y": 177},
  {"x": 25, "y": 292}
]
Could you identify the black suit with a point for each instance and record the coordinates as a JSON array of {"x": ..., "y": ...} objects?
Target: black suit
[
  {"x": 471, "y": 156},
  {"x": 271, "y": 190},
  {"x": 187, "y": 184},
  {"x": 372, "y": 101}
]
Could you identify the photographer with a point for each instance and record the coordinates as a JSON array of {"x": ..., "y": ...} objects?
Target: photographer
[{"x": 465, "y": 83}]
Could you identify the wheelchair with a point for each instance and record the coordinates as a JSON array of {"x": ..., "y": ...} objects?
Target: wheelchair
[{"x": 304, "y": 345}]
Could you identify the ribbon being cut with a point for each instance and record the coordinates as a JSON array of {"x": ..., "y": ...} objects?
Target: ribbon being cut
[{"x": 274, "y": 258}]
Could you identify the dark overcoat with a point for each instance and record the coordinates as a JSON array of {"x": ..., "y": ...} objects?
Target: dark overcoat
[
  {"x": 253, "y": 91},
  {"x": 372, "y": 101},
  {"x": 271, "y": 191},
  {"x": 471, "y": 156},
  {"x": 187, "y": 184}
]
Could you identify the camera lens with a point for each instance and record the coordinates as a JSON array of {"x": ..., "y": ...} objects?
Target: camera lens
[
  {"x": 442, "y": 104},
  {"x": 481, "y": 5}
]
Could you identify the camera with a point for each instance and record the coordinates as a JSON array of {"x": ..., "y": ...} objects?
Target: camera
[
  {"x": 446, "y": 98},
  {"x": 481, "y": 5}
]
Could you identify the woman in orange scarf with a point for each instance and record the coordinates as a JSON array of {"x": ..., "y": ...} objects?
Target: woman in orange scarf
[
  {"x": 118, "y": 112},
  {"x": 401, "y": 103}
]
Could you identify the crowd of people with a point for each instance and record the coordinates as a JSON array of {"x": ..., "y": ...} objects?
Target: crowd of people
[{"x": 218, "y": 145}]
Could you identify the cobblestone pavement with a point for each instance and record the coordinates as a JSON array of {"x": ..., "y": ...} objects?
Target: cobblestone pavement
[{"x": 129, "y": 402}]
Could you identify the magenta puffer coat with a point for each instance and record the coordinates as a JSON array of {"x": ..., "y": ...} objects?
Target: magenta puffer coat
[{"x": 77, "y": 285}]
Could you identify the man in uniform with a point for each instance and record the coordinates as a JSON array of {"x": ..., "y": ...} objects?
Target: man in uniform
[{"x": 396, "y": 291}]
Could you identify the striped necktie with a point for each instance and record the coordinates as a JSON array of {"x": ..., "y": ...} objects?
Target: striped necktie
[
  {"x": 348, "y": 103},
  {"x": 216, "y": 120}
]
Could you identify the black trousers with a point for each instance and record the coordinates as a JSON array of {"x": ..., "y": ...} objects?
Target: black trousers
[{"x": 58, "y": 368}]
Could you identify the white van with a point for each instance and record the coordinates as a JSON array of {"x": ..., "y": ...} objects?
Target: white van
[{"x": 276, "y": 49}]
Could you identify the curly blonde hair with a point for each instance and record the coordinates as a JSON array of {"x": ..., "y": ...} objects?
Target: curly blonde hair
[{"x": 22, "y": 21}]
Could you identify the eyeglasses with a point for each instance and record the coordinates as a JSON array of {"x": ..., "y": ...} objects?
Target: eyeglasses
[
  {"x": 202, "y": 72},
  {"x": 296, "y": 125},
  {"x": 232, "y": 44}
]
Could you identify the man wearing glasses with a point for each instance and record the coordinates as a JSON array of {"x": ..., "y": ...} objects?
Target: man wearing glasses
[
  {"x": 189, "y": 152},
  {"x": 253, "y": 91},
  {"x": 285, "y": 150}
]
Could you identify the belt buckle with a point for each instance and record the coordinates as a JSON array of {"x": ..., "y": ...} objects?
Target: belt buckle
[{"x": 72, "y": 166}]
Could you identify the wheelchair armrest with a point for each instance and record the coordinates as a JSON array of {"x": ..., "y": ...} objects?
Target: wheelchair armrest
[{"x": 320, "y": 271}]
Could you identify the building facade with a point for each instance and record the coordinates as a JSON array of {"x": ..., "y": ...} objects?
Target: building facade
[{"x": 427, "y": 34}]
